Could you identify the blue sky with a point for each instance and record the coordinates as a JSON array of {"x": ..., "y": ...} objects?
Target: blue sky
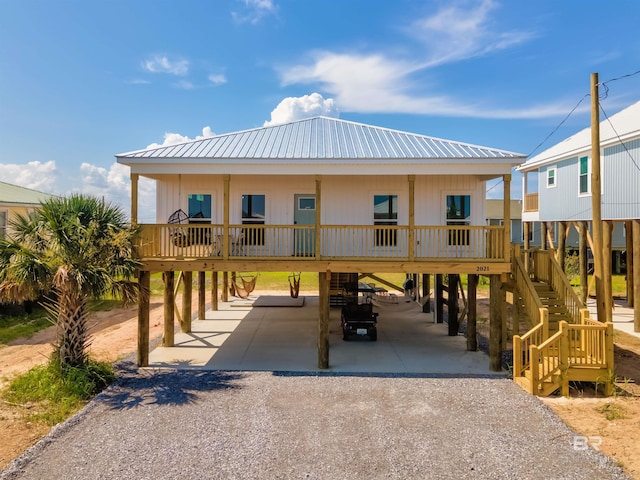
[{"x": 83, "y": 80}]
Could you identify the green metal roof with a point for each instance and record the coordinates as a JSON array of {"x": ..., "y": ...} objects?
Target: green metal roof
[{"x": 20, "y": 195}]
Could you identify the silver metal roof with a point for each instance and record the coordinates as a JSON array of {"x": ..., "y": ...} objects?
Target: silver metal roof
[{"x": 322, "y": 138}]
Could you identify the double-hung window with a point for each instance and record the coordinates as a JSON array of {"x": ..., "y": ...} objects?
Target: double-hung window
[
  {"x": 585, "y": 187},
  {"x": 458, "y": 214},
  {"x": 253, "y": 213},
  {"x": 552, "y": 177},
  {"x": 385, "y": 212}
]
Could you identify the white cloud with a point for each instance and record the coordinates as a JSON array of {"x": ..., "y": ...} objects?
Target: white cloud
[
  {"x": 461, "y": 31},
  {"x": 298, "y": 108},
  {"x": 114, "y": 185},
  {"x": 163, "y": 64},
  {"x": 36, "y": 175},
  {"x": 254, "y": 11},
  {"x": 217, "y": 79},
  {"x": 384, "y": 83},
  {"x": 176, "y": 138},
  {"x": 184, "y": 85}
]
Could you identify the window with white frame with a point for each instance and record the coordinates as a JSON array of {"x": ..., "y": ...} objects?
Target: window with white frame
[
  {"x": 385, "y": 212},
  {"x": 552, "y": 177},
  {"x": 584, "y": 175},
  {"x": 253, "y": 213},
  {"x": 3, "y": 224},
  {"x": 458, "y": 214}
]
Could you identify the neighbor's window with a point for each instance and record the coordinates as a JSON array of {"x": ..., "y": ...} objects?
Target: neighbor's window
[
  {"x": 199, "y": 208},
  {"x": 552, "y": 173},
  {"x": 385, "y": 212},
  {"x": 3, "y": 224},
  {"x": 584, "y": 175},
  {"x": 253, "y": 213},
  {"x": 458, "y": 214}
]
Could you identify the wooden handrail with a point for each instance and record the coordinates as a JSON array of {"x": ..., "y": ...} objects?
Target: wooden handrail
[{"x": 353, "y": 242}]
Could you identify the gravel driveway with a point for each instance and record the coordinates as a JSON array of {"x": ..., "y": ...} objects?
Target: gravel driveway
[{"x": 260, "y": 425}]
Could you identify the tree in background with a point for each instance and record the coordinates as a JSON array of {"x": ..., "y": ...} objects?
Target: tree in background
[{"x": 70, "y": 250}]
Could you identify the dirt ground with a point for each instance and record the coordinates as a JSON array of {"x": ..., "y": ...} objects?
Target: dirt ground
[{"x": 115, "y": 336}]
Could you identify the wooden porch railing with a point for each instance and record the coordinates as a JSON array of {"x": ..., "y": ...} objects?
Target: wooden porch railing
[
  {"x": 336, "y": 242},
  {"x": 576, "y": 352}
]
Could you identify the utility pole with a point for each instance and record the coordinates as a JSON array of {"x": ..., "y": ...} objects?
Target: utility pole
[{"x": 596, "y": 200}]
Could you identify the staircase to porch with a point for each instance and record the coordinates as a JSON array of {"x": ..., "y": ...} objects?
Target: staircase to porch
[{"x": 564, "y": 343}]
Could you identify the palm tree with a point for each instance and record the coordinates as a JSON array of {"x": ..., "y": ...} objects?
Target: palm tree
[{"x": 70, "y": 250}]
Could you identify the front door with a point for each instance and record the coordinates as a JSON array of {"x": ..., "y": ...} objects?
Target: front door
[{"x": 304, "y": 240}]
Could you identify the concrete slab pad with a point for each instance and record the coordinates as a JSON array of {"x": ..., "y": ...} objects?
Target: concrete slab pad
[{"x": 285, "y": 339}]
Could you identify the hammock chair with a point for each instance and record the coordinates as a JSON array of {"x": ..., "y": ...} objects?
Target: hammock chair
[
  {"x": 179, "y": 236},
  {"x": 294, "y": 288},
  {"x": 247, "y": 285}
]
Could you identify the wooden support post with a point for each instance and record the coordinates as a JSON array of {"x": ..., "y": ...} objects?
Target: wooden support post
[
  {"x": 582, "y": 254},
  {"x": 202, "y": 301},
  {"x": 318, "y": 218},
  {"x": 496, "y": 298},
  {"x": 412, "y": 183},
  {"x": 628, "y": 228},
  {"x": 169, "y": 309},
  {"x": 562, "y": 242},
  {"x": 596, "y": 200},
  {"x": 527, "y": 244},
  {"x": 452, "y": 306},
  {"x": 214, "y": 291},
  {"x": 134, "y": 198},
  {"x": 144, "y": 282},
  {"x": 505, "y": 317},
  {"x": 636, "y": 276},
  {"x": 324, "y": 280},
  {"x": 439, "y": 299},
  {"x": 225, "y": 286},
  {"x": 607, "y": 232},
  {"x": 543, "y": 235},
  {"x": 187, "y": 280},
  {"x": 472, "y": 337},
  {"x": 506, "y": 180},
  {"x": 225, "y": 218},
  {"x": 426, "y": 292}
]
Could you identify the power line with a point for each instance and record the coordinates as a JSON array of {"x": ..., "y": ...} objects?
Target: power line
[
  {"x": 560, "y": 124},
  {"x": 619, "y": 139}
]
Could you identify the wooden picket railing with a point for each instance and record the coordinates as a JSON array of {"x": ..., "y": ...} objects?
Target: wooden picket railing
[
  {"x": 531, "y": 202},
  {"x": 463, "y": 243}
]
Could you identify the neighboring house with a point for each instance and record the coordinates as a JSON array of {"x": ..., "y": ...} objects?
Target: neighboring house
[
  {"x": 557, "y": 184},
  {"x": 495, "y": 216},
  {"x": 323, "y": 195},
  {"x": 16, "y": 200}
]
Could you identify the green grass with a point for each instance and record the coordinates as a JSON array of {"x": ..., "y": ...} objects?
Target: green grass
[
  {"x": 611, "y": 411},
  {"x": 308, "y": 281},
  {"x": 14, "y": 323},
  {"x": 53, "y": 394},
  {"x": 618, "y": 285}
]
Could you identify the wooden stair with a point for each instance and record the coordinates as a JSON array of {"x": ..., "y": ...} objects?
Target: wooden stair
[{"x": 558, "y": 310}]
